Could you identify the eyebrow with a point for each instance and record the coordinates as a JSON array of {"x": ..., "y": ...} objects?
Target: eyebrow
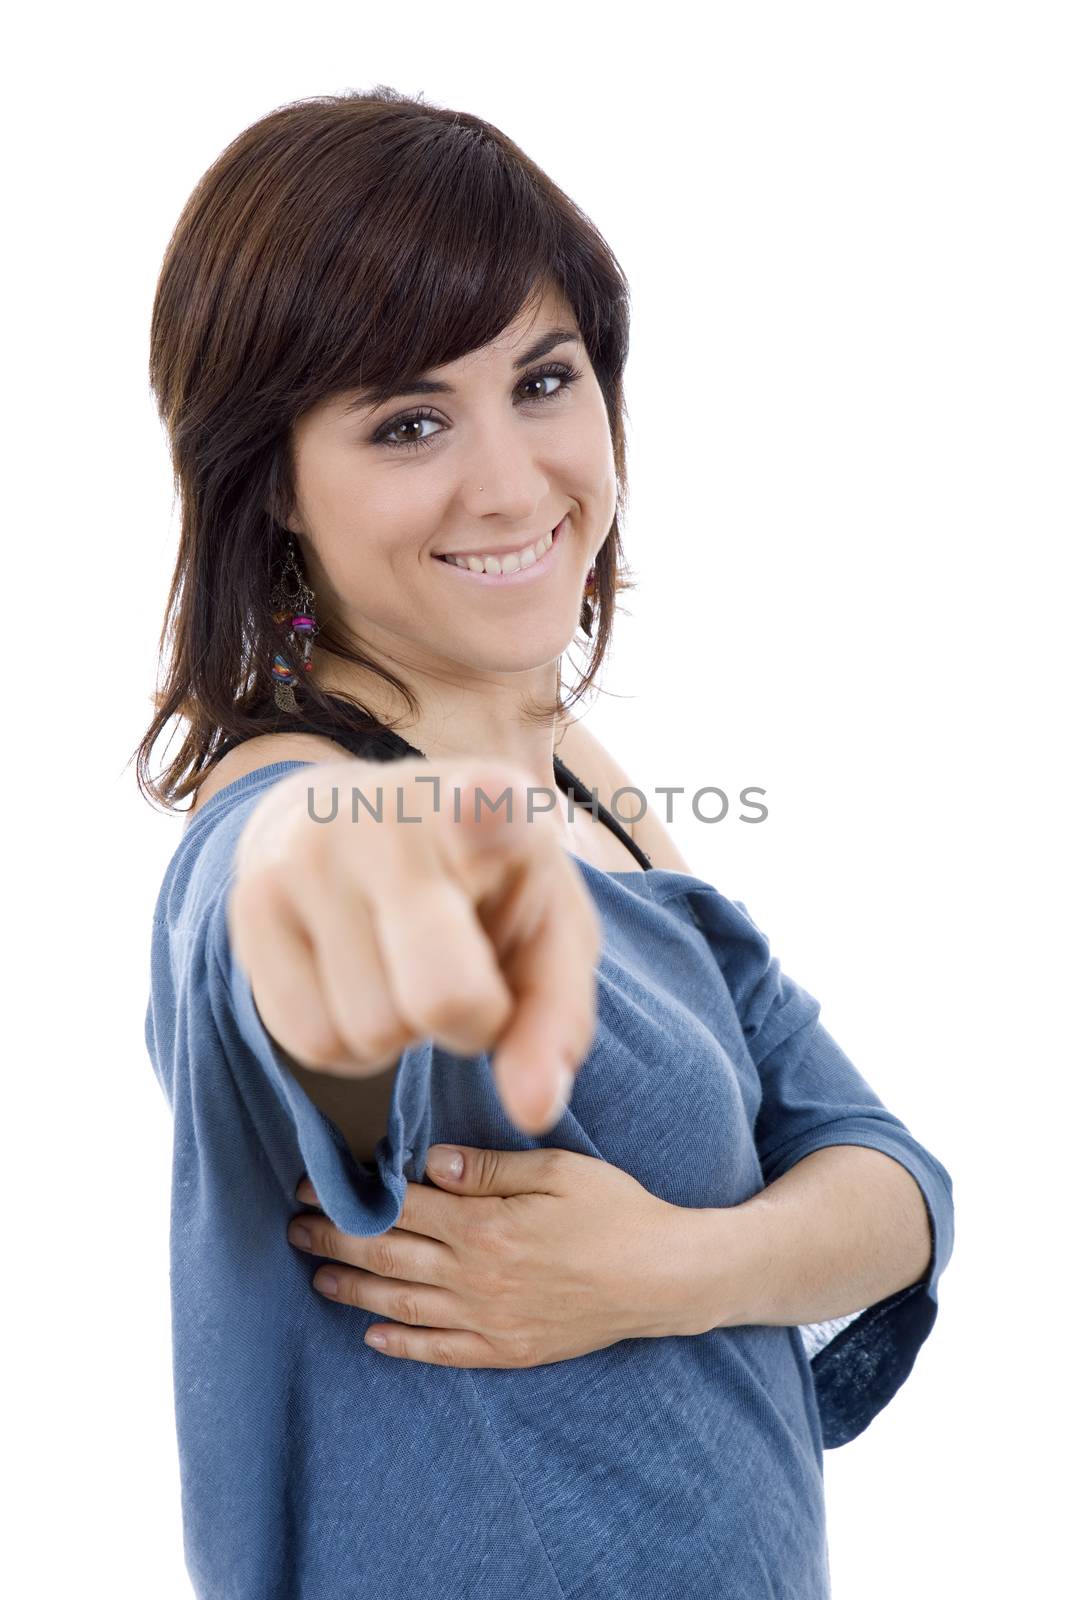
[{"x": 374, "y": 396}]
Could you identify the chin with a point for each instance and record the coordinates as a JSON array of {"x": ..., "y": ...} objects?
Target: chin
[{"x": 516, "y": 649}]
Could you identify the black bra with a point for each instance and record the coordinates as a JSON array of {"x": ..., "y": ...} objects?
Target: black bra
[{"x": 377, "y": 743}]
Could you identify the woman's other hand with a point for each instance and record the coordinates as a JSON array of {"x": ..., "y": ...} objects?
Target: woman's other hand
[{"x": 529, "y": 1257}]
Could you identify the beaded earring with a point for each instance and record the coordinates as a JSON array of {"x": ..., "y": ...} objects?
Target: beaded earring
[
  {"x": 588, "y": 601},
  {"x": 292, "y": 613}
]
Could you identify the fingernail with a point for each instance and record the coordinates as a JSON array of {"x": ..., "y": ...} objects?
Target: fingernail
[
  {"x": 299, "y": 1236},
  {"x": 325, "y": 1282},
  {"x": 445, "y": 1162}
]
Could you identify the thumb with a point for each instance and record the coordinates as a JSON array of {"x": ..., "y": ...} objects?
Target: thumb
[
  {"x": 491, "y": 804},
  {"x": 465, "y": 1169}
]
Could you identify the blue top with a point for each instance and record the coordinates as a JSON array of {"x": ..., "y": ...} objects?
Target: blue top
[{"x": 314, "y": 1468}]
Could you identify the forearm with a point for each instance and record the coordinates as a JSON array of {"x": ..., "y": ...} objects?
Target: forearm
[{"x": 841, "y": 1230}]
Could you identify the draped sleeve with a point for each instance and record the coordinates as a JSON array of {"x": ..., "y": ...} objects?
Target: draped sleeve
[
  {"x": 229, "y": 1084},
  {"x": 812, "y": 1096}
]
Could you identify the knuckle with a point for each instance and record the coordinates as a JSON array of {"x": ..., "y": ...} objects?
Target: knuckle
[
  {"x": 313, "y": 1223},
  {"x": 444, "y": 1007},
  {"x": 407, "y": 1309},
  {"x": 496, "y": 777},
  {"x": 315, "y": 1042},
  {"x": 381, "y": 1258},
  {"x": 326, "y": 1241},
  {"x": 347, "y": 1289},
  {"x": 441, "y": 1353},
  {"x": 381, "y": 1038},
  {"x": 320, "y": 1044},
  {"x": 490, "y": 1176}
]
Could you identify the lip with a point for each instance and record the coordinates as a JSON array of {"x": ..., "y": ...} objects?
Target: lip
[{"x": 530, "y": 574}]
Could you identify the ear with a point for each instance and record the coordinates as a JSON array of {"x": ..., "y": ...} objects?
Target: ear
[{"x": 288, "y": 524}]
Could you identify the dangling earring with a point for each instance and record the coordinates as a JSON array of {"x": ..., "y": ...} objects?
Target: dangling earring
[
  {"x": 292, "y": 612},
  {"x": 589, "y": 596}
]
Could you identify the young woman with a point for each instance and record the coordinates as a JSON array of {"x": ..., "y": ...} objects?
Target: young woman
[{"x": 689, "y": 1248}]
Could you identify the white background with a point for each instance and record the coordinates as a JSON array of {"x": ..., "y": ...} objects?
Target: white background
[{"x": 843, "y": 227}]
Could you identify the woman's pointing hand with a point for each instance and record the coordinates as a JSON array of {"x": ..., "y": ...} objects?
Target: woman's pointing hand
[{"x": 431, "y": 915}]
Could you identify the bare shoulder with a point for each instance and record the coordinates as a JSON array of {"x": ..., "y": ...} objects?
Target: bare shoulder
[
  {"x": 263, "y": 751},
  {"x": 598, "y": 769}
]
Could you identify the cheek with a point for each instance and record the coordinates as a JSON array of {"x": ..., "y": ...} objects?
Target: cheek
[
  {"x": 349, "y": 497},
  {"x": 587, "y": 455},
  {"x": 366, "y": 529},
  {"x": 373, "y": 553},
  {"x": 363, "y": 561}
]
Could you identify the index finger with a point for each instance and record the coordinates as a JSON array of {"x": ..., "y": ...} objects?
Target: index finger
[{"x": 552, "y": 974}]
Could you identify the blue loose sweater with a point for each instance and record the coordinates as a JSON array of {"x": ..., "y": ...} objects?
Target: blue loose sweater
[{"x": 315, "y": 1468}]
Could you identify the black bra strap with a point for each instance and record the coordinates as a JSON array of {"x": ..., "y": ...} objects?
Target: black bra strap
[{"x": 569, "y": 783}]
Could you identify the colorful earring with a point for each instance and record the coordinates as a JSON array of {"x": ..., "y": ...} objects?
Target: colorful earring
[
  {"x": 292, "y": 613},
  {"x": 588, "y": 601}
]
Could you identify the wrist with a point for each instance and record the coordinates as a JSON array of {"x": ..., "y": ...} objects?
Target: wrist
[{"x": 707, "y": 1288}]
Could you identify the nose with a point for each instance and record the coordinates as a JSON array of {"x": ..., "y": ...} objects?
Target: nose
[{"x": 502, "y": 477}]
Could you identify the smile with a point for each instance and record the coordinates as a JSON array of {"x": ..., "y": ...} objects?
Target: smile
[{"x": 521, "y": 574}]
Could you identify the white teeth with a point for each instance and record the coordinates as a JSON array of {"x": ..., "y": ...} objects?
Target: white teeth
[{"x": 510, "y": 563}]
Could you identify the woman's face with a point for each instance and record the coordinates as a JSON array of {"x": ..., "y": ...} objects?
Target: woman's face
[{"x": 517, "y": 445}]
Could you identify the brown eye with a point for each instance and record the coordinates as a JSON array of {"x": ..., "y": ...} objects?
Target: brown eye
[
  {"x": 556, "y": 369},
  {"x": 410, "y": 419},
  {"x": 548, "y": 377}
]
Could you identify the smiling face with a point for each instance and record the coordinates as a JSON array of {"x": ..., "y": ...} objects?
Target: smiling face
[{"x": 486, "y": 457}]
